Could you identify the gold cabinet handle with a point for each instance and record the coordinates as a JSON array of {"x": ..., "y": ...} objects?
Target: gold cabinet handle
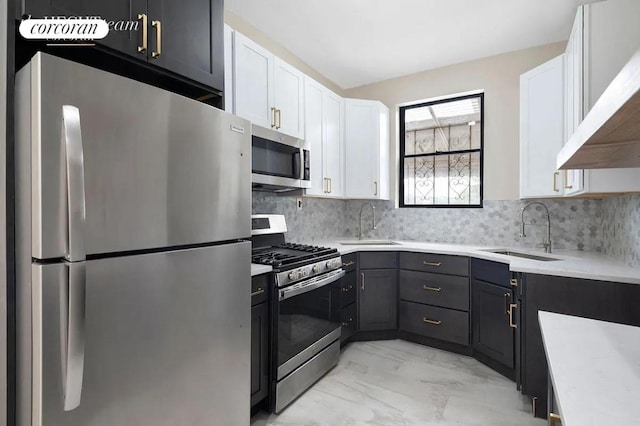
[
  {"x": 258, "y": 291},
  {"x": 426, "y": 287},
  {"x": 376, "y": 184},
  {"x": 362, "y": 280},
  {"x": 344, "y": 324},
  {"x": 349, "y": 263},
  {"x": 514, "y": 282},
  {"x": 330, "y": 186},
  {"x": 430, "y": 321},
  {"x": 143, "y": 17},
  {"x": 158, "y": 26},
  {"x": 512, "y": 306},
  {"x": 273, "y": 117},
  {"x": 566, "y": 179},
  {"x": 507, "y": 296},
  {"x": 555, "y": 182},
  {"x": 279, "y": 115},
  {"x": 436, "y": 264},
  {"x": 554, "y": 418},
  {"x": 326, "y": 185},
  {"x": 347, "y": 288}
]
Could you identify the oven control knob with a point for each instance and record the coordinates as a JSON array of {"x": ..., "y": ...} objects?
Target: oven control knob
[
  {"x": 314, "y": 269},
  {"x": 305, "y": 273},
  {"x": 329, "y": 264},
  {"x": 292, "y": 275}
]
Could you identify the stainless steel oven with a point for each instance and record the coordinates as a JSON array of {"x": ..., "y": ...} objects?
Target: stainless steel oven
[
  {"x": 279, "y": 162},
  {"x": 307, "y": 334}
]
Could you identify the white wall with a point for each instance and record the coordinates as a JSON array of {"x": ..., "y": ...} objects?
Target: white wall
[{"x": 499, "y": 77}]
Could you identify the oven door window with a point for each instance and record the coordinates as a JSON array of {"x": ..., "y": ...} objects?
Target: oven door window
[
  {"x": 275, "y": 159},
  {"x": 306, "y": 318}
]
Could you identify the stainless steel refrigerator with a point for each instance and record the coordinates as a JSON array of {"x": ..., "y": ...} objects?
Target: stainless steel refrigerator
[{"x": 133, "y": 278}]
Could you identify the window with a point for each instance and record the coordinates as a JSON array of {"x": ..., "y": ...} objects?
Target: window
[{"x": 441, "y": 153}]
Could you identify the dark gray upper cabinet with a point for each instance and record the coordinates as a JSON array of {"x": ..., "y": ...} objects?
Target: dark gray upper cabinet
[
  {"x": 112, "y": 10},
  {"x": 192, "y": 39},
  {"x": 378, "y": 290},
  {"x": 492, "y": 334},
  {"x": 185, "y": 38}
]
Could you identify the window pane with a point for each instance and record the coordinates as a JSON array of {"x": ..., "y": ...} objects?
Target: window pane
[{"x": 442, "y": 180}]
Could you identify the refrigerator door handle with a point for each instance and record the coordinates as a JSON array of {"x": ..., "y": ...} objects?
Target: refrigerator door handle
[
  {"x": 76, "y": 213},
  {"x": 72, "y": 332}
]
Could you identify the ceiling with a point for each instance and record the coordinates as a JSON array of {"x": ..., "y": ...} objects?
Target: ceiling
[{"x": 357, "y": 42}]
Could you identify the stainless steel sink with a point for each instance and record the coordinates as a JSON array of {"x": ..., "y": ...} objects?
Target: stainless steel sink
[
  {"x": 521, "y": 254},
  {"x": 369, "y": 243}
]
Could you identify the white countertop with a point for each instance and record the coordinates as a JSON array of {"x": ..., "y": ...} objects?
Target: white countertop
[
  {"x": 594, "y": 368},
  {"x": 259, "y": 269},
  {"x": 576, "y": 264}
]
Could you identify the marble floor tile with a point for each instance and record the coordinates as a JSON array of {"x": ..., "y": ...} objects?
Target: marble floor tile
[{"x": 394, "y": 382}]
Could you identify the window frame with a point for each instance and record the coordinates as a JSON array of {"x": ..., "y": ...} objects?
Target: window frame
[{"x": 402, "y": 139}]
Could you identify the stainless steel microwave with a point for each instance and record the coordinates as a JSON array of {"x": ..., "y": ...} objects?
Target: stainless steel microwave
[{"x": 278, "y": 162}]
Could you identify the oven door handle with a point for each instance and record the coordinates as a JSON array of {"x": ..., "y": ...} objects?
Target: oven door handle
[{"x": 296, "y": 291}]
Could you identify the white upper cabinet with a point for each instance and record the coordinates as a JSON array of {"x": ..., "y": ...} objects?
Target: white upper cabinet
[
  {"x": 604, "y": 36},
  {"x": 253, "y": 80},
  {"x": 324, "y": 130},
  {"x": 366, "y": 149},
  {"x": 268, "y": 91},
  {"x": 542, "y": 130},
  {"x": 288, "y": 98}
]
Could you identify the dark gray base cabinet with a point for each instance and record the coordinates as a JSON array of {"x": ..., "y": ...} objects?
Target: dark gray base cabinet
[
  {"x": 259, "y": 339},
  {"x": 378, "y": 292},
  {"x": 607, "y": 301},
  {"x": 448, "y": 325},
  {"x": 492, "y": 334}
]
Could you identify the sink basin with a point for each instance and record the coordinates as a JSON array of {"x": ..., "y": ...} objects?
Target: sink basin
[
  {"x": 369, "y": 243},
  {"x": 521, "y": 254}
]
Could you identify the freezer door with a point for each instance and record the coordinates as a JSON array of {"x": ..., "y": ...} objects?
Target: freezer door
[
  {"x": 159, "y": 169},
  {"x": 165, "y": 340}
]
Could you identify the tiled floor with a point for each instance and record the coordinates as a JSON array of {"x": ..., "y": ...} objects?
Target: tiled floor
[{"x": 401, "y": 383}]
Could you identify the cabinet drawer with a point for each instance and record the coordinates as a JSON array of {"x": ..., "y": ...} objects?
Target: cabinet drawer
[
  {"x": 350, "y": 262},
  {"x": 436, "y": 263},
  {"x": 348, "y": 318},
  {"x": 348, "y": 287},
  {"x": 448, "y": 291},
  {"x": 378, "y": 260},
  {"x": 438, "y": 323},
  {"x": 491, "y": 272},
  {"x": 259, "y": 289}
]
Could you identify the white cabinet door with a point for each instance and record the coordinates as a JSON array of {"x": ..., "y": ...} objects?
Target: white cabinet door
[
  {"x": 288, "y": 98},
  {"x": 574, "y": 86},
  {"x": 228, "y": 68},
  {"x": 333, "y": 113},
  {"x": 253, "y": 77},
  {"x": 542, "y": 132},
  {"x": 313, "y": 92},
  {"x": 366, "y": 149}
]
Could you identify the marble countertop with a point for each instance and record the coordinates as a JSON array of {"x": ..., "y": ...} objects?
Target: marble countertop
[
  {"x": 594, "y": 368},
  {"x": 259, "y": 269},
  {"x": 576, "y": 264}
]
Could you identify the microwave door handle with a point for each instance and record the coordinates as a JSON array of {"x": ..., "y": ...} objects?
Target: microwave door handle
[
  {"x": 291, "y": 292},
  {"x": 301, "y": 163},
  {"x": 74, "y": 156}
]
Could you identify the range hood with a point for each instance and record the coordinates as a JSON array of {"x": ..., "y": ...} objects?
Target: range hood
[{"x": 609, "y": 136}]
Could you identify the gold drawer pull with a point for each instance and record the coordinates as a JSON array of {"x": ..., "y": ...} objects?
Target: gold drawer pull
[
  {"x": 143, "y": 48},
  {"x": 344, "y": 324},
  {"x": 432, "y": 263},
  {"x": 158, "y": 26},
  {"x": 260, "y": 290},
  {"x": 426, "y": 287},
  {"x": 512, "y": 306},
  {"x": 514, "y": 282},
  {"x": 349, "y": 263},
  {"x": 347, "y": 288},
  {"x": 430, "y": 321},
  {"x": 507, "y": 297},
  {"x": 554, "y": 418}
]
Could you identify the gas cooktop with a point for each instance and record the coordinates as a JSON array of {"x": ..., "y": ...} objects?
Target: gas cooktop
[{"x": 289, "y": 254}]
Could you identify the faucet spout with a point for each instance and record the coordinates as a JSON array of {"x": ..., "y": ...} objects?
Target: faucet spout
[
  {"x": 547, "y": 243},
  {"x": 373, "y": 224}
]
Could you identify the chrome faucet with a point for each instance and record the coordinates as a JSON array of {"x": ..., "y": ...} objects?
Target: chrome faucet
[
  {"x": 546, "y": 244},
  {"x": 373, "y": 212}
]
